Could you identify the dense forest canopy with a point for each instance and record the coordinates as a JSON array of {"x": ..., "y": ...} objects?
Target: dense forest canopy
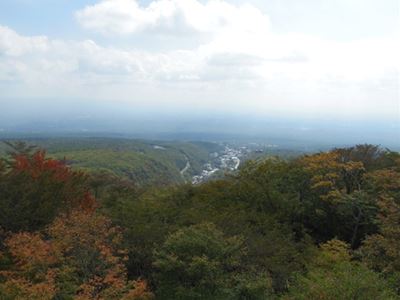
[{"x": 317, "y": 226}]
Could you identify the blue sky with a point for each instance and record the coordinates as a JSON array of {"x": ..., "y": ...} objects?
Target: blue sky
[{"x": 336, "y": 59}]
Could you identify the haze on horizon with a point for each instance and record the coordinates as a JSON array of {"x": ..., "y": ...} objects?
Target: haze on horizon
[{"x": 178, "y": 59}]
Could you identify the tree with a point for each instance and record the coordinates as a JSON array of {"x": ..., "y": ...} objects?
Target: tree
[
  {"x": 34, "y": 189},
  {"x": 198, "y": 262},
  {"x": 333, "y": 276},
  {"x": 357, "y": 213},
  {"x": 347, "y": 207},
  {"x": 333, "y": 176},
  {"x": 19, "y": 148},
  {"x": 371, "y": 156},
  {"x": 77, "y": 257},
  {"x": 381, "y": 251},
  {"x": 384, "y": 182}
]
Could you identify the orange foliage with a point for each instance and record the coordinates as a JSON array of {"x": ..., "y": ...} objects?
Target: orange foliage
[
  {"x": 80, "y": 250},
  {"x": 31, "y": 251}
]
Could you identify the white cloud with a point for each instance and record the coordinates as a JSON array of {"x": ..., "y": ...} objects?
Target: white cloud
[
  {"x": 238, "y": 60},
  {"x": 171, "y": 16},
  {"x": 43, "y": 61},
  {"x": 12, "y": 44},
  {"x": 243, "y": 31}
]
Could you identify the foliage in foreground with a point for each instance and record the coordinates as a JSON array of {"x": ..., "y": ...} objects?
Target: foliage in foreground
[
  {"x": 334, "y": 276},
  {"x": 198, "y": 262},
  {"x": 323, "y": 226},
  {"x": 78, "y": 256}
]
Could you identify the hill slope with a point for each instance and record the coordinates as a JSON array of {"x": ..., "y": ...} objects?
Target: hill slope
[{"x": 144, "y": 162}]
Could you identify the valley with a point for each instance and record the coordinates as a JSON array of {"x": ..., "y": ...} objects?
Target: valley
[{"x": 155, "y": 162}]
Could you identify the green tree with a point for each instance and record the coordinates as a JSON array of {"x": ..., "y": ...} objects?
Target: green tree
[
  {"x": 333, "y": 276},
  {"x": 381, "y": 251},
  {"x": 198, "y": 262}
]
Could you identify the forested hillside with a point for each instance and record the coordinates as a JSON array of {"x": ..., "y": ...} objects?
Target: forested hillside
[
  {"x": 140, "y": 161},
  {"x": 318, "y": 226}
]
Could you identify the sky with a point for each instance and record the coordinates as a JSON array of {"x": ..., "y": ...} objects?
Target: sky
[{"x": 336, "y": 59}]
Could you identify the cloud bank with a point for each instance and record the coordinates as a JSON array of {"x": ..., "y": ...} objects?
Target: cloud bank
[{"x": 237, "y": 60}]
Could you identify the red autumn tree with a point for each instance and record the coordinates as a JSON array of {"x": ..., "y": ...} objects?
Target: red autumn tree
[{"x": 34, "y": 189}]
